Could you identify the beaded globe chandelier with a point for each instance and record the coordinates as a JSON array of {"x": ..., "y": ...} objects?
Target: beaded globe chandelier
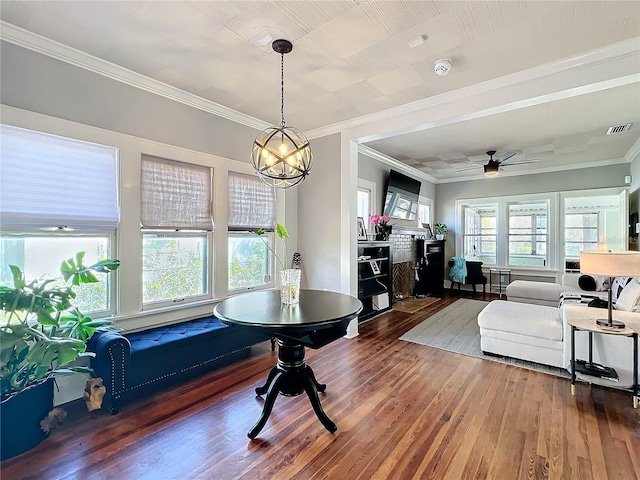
[{"x": 281, "y": 155}]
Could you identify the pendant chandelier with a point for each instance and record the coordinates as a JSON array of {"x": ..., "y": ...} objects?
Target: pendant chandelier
[{"x": 281, "y": 155}]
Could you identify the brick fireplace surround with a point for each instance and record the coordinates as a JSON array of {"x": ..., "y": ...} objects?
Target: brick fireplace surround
[{"x": 405, "y": 258}]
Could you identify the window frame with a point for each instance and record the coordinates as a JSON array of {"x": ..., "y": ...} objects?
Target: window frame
[
  {"x": 180, "y": 229},
  {"x": 244, "y": 218},
  {"x": 96, "y": 211},
  {"x": 479, "y": 253},
  {"x": 271, "y": 265},
  {"x": 207, "y": 280},
  {"x": 112, "y": 279},
  {"x": 502, "y": 227},
  {"x": 569, "y": 242},
  {"x": 533, "y": 235},
  {"x": 369, "y": 188}
]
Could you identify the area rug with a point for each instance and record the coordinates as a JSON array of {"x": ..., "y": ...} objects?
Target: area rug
[
  {"x": 413, "y": 304},
  {"x": 455, "y": 329}
]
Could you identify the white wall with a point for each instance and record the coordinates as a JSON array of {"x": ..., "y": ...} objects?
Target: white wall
[{"x": 319, "y": 216}]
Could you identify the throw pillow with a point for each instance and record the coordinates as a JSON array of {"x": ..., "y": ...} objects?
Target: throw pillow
[
  {"x": 602, "y": 283},
  {"x": 629, "y": 298},
  {"x": 587, "y": 283},
  {"x": 618, "y": 285}
]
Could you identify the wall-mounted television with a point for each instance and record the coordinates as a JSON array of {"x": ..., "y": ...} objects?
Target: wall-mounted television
[{"x": 401, "y": 199}]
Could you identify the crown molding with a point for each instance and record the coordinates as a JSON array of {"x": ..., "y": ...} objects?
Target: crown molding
[
  {"x": 615, "y": 51},
  {"x": 634, "y": 152},
  {"x": 540, "y": 170},
  {"x": 381, "y": 157},
  {"x": 376, "y": 155},
  {"x": 37, "y": 43}
]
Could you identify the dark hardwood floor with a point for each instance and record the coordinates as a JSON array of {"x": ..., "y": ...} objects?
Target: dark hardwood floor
[{"x": 403, "y": 411}]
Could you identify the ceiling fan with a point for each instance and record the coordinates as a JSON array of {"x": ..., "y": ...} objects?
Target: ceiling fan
[{"x": 493, "y": 167}]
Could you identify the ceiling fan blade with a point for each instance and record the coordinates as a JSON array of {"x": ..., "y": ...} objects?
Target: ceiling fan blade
[
  {"x": 465, "y": 169},
  {"x": 506, "y": 156},
  {"x": 520, "y": 162}
]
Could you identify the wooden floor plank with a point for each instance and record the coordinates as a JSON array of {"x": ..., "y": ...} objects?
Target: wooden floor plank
[{"x": 403, "y": 411}]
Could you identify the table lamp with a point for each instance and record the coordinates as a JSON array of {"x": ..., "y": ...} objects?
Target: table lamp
[{"x": 610, "y": 264}]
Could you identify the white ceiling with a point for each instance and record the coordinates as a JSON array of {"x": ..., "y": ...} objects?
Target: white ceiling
[{"x": 351, "y": 59}]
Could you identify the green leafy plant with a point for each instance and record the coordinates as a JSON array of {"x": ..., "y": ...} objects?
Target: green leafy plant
[
  {"x": 282, "y": 233},
  {"x": 440, "y": 228},
  {"x": 41, "y": 330}
]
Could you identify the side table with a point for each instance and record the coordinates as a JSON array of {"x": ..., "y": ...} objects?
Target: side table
[
  {"x": 504, "y": 279},
  {"x": 594, "y": 370}
]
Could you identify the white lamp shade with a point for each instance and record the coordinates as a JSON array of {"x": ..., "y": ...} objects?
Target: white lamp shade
[{"x": 610, "y": 264}]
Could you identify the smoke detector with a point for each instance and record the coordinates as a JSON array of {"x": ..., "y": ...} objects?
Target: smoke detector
[{"x": 442, "y": 66}]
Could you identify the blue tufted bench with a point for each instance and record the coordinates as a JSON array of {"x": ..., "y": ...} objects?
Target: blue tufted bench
[{"x": 135, "y": 363}]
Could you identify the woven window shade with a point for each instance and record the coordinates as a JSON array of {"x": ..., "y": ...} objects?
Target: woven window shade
[
  {"x": 47, "y": 181},
  {"x": 252, "y": 203},
  {"x": 175, "y": 195}
]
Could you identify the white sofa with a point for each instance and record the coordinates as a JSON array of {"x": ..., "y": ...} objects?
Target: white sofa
[
  {"x": 541, "y": 333},
  {"x": 546, "y": 293},
  {"x": 528, "y": 332}
]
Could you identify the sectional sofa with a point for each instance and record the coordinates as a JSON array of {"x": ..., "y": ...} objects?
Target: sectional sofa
[
  {"x": 527, "y": 330},
  {"x": 549, "y": 294}
]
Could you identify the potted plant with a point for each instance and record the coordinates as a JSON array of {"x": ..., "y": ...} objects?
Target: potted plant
[
  {"x": 382, "y": 227},
  {"x": 289, "y": 277},
  {"x": 41, "y": 333},
  {"x": 441, "y": 230}
]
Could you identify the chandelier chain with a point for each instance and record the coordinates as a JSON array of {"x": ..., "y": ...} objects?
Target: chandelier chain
[{"x": 282, "y": 89}]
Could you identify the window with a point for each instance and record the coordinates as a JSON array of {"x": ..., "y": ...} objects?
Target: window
[
  {"x": 177, "y": 221},
  {"x": 366, "y": 201},
  {"x": 424, "y": 214},
  {"x": 43, "y": 223},
  {"x": 252, "y": 206},
  {"x": 363, "y": 207},
  {"x": 528, "y": 234},
  {"x": 479, "y": 238},
  {"x": 580, "y": 233},
  {"x": 33, "y": 254}
]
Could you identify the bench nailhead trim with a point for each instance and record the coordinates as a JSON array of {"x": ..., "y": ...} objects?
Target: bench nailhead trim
[{"x": 186, "y": 369}]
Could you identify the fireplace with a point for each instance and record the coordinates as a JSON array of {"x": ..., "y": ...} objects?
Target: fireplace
[{"x": 403, "y": 246}]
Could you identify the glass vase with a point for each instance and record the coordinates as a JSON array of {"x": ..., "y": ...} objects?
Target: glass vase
[{"x": 290, "y": 286}]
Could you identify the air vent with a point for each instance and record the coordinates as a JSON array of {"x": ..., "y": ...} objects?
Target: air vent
[{"x": 618, "y": 129}]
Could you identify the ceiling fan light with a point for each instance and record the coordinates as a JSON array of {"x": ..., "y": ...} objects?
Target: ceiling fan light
[{"x": 491, "y": 171}]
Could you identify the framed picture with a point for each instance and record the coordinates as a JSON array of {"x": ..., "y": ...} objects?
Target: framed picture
[
  {"x": 375, "y": 268},
  {"x": 362, "y": 230},
  {"x": 427, "y": 227}
]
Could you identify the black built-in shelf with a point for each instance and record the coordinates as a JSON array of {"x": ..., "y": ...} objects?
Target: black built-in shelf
[{"x": 375, "y": 285}]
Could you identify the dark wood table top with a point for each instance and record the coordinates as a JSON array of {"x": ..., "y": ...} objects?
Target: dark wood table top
[{"x": 317, "y": 310}]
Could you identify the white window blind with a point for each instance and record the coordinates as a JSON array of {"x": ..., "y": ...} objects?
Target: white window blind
[
  {"x": 50, "y": 181},
  {"x": 252, "y": 203},
  {"x": 176, "y": 195}
]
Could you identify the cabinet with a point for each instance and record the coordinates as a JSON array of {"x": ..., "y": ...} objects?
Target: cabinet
[
  {"x": 430, "y": 268},
  {"x": 375, "y": 278}
]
